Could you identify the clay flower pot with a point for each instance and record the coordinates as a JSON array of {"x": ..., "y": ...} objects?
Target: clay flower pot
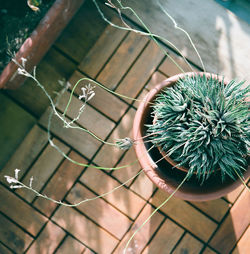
[
  {"x": 39, "y": 42},
  {"x": 165, "y": 174}
]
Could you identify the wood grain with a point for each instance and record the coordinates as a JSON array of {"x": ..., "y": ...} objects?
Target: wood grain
[
  {"x": 42, "y": 169},
  {"x": 70, "y": 245},
  {"x": 143, "y": 236},
  {"x": 102, "y": 99},
  {"x": 48, "y": 240},
  {"x": 123, "y": 199},
  {"x": 105, "y": 215},
  {"x": 85, "y": 230},
  {"x": 78, "y": 139},
  {"x": 165, "y": 239},
  {"x": 188, "y": 244},
  {"x": 14, "y": 237},
  {"x": 26, "y": 153},
  {"x": 120, "y": 62},
  {"x": 233, "y": 226},
  {"x": 33, "y": 221},
  {"x": 185, "y": 215},
  {"x": 98, "y": 55},
  {"x": 60, "y": 183}
]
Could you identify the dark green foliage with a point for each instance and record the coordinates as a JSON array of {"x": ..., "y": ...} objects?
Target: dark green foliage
[{"x": 203, "y": 125}]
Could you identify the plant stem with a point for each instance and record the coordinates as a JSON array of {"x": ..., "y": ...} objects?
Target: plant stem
[
  {"x": 242, "y": 180},
  {"x": 21, "y": 185},
  {"x": 184, "y": 31},
  {"x": 148, "y": 33}
]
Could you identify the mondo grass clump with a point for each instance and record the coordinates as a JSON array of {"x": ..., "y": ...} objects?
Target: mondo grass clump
[{"x": 203, "y": 125}]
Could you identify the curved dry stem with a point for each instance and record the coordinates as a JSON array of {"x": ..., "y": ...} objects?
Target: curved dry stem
[
  {"x": 184, "y": 31},
  {"x": 19, "y": 185},
  {"x": 148, "y": 33},
  {"x": 242, "y": 180}
]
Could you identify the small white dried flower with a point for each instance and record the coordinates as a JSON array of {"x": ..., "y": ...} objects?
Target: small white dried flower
[
  {"x": 24, "y": 60},
  {"x": 11, "y": 179},
  {"x": 110, "y": 4},
  {"x": 34, "y": 71},
  {"x": 68, "y": 85},
  {"x": 61, "y": 82},
  {"x": 16, "y": 173},
  {"x": 83, "y": 95},
  {"x": 16, "y": 186},
  {"x": 90, "y": 95},
  {"x": 87, "y": 93},
  {"x": 124, "y": 143},
  {"x": 31, "y": 181},
  {"x": 23, "y": 72}
]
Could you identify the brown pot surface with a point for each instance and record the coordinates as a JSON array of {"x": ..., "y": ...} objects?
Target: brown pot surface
[
  {"x": 163, "y": 174},
  {"x": 39, "y": 42}
]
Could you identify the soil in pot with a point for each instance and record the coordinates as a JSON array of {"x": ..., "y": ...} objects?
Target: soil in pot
[{"x": 17, "y": 21}]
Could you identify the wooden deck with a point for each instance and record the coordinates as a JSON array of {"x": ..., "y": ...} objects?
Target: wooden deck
[{"x": 130, "y": 65}]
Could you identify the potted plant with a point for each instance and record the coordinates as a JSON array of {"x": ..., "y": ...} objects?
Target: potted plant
[
  {"x": 40, "y": 40},
  {"x": 214, "y": 181},
  {"x": 198, "y": 124}
]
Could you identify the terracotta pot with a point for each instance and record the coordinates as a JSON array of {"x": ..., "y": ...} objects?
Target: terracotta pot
[
  {"x": 39, "y": 42},
  {"x": 164, "y": 174}
]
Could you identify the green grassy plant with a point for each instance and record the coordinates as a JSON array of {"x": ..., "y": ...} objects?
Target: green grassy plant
[{"x": 203, "y": 125}]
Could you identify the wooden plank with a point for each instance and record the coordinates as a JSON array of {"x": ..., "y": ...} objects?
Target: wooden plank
[
  {"x": 85, "y": 230},
  {"x": 82, "y": 32},
  {"x": 141, "y": 71},
  {"x": 4, "y": 250},
  {"x": 13, "y": 237},
  {"x": 26, "y": 153},
  {"x": 156, "y": 78},
  {"x": 43, "y": 168},
  {"x": 88, "y": 251},
  {"x": 143, "y": 236},
  {"x": 70, "y": 245},
  {"x": 165, "y": 239},
  {"x": 208, "y": 251},
  {"x": 140, "y": 98},
  {"x": 223, "y": 45},
  {"x": 122, "y": 198},
  {"x": 11, "y": 137},
  {"x": 233, "y": 226},
  {"x": 102, "y": 99},
  {"x": 55, "y": 66},
  {"x": 232, "y": 196},
  {"x": 48, "y": 240},
  {"x": 90, "y": 119},
  {"x": 124, "y": 129},
  {"x": 188, "y": 244},
  {"x": 26, "y": 217},
  {"x": 143, "y": 186},
  {"x": 173, "y": 65},
  {"x": 98, "y": 55},
  {"x": 185, "y": 215},
  {"x": 243, "y": 246},
  {"x": 78, "y": 139},
  {"x": 120, "y": 62},
  {"x": 100, "y": 211},
  {"x": 131, "y": 169},
  {"x": 63, "y": 179},
  {"x": 215, "y": 208}
]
